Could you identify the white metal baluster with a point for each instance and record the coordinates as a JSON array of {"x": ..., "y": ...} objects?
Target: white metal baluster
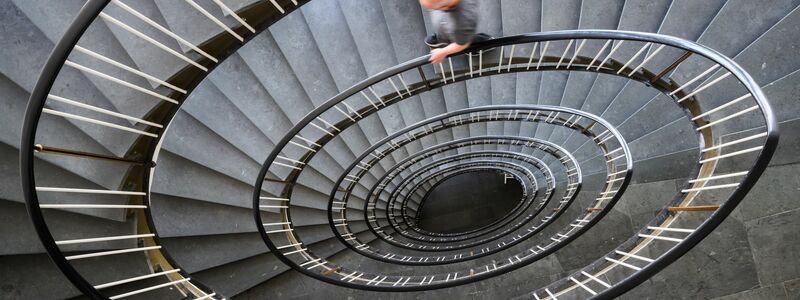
[
  {"x": 163, "y": 29},
  {"x": 395, "y": 88},
  {"x": 704, "y": 87},
  {"x": 563, "y": 55},
  {"x": 404, "y": 83},
  {"x": 110, "y": 284},
  {"x": 500, "y": 61},
  {"x": 103, "y": 111},
  {"x": 344, "y": 113},
  {"x": 671, "y": 229},
  {"x": 598, "y": 54},
  {"x": 732, "y": 154},
  {"x": 214, "y": 19},
  {"x": 533, "y": 51},
  {"x": 452, "y": 72},
  {"x": 234, "y": 15},
  {"x": 510, "y": 58},
  {"x": 550, "y": 294},
  {"x": 596, "y": 279},
  {"x": 103, "y": 239},
  {"x": 579, "y": 283},
  {"x": 280, "y": 9},
  {"x": 97, "y": 122},
  {"x": 735, "y": 142},
  {"x": 209, "y": 296},
  {"x": 129, "y": 69},
  {"x": 617, "y": 262},
  {"x": 541, "y": 55},
  {"x": 711, "y": 187},
  {"x": 646, "y": 59},
  {"x": 119, "y": 81},
  {"x": 574, "y": 55},
  {"x": 98, "y": 206},
  {"x": 88, "y": 191},
  {"x": 634, "y": 57},
  {"x": 376, "y": 95},
  {"x": 111, "y": 252},
  {"x": 663, "y": 238},
  {"x": 469, "y": 56},
  {"x": 752, "y": 108},
  {"x": 642, "y": 258},
  {"x": 696, "y": 78},
  {"x": 151, "y": 41},
  {"x": 613, "y": 49},
  {"x": 718, "y": 108},
  {"x": 155, "y": 287},
  {"x": 369, "y": 100},
  {"x": 322, "y": 129}
]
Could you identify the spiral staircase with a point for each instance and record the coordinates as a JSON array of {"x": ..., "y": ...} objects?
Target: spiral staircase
[{"x": 213, "y": 149}]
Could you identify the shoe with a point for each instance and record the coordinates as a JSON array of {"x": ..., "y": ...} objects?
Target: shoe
[{"x": 433, "y": 42}]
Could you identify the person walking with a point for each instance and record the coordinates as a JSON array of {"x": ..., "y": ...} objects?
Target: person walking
[{"x": 455, "y": 24}]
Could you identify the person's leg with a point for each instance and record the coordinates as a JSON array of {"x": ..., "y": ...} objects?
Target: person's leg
[{"x": 439, "y": 24}]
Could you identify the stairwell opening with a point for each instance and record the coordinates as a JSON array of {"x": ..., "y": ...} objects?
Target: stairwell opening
[{"x": 469, "y": 201}]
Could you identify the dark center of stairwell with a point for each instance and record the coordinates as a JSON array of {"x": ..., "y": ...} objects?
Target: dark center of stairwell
[{"x": 468, "y": 201}]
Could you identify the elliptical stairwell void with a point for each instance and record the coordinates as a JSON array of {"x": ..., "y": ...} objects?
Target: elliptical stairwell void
[{"x": 207, "y": 149}]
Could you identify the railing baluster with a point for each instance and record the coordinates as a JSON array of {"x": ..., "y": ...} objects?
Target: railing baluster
[
  {"x": 696, "y": 78},
  {"x": 97, "y": 122},
  {"x": 613, "y": 49},
  {"x": 564, "y": 55},
  {"x": 234, "y": 15},
  {"x": 646, "y": 59},
  {"x": 155, "y": 287},
  {"x": 704, "y": 87},
  {"x": 598, "y": 54},
  {"x": 541, "y": 55},
  {"x": 115, "y": 283},
  {"x": 151, "y": 41},
  {"x": 111, "y": 252},
  {"x": 574, "y": 55},
  {"x": 119, "y": 81},
  {"x": 164, "y": 30},
  {"x": 533, "y": 51},
  {"x": 129, "y": 69},
  {"x": 634, "y": 57},
  {"x": 219, "y": 23},
  {"x": 583, "y": 285},
  {"x": 729, "y": 117}
]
